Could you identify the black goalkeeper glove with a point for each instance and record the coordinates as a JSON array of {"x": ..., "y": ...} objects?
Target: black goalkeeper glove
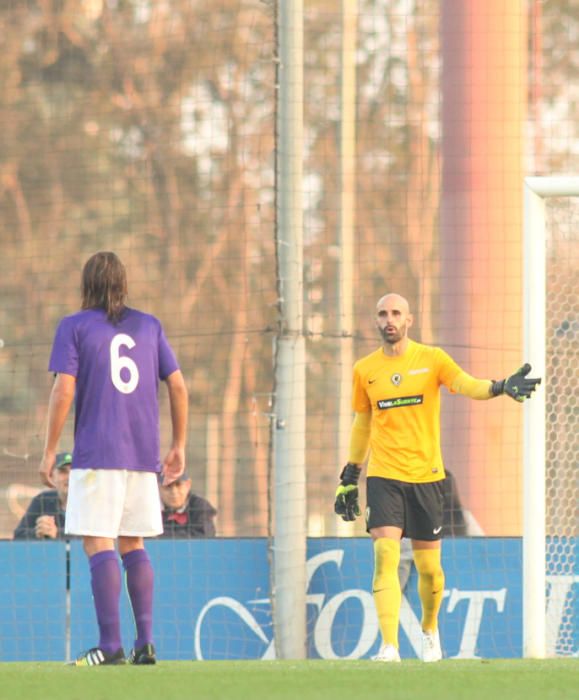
[
  {"x": 346, "y": 504},
  {"x": 518, "y": 386}
]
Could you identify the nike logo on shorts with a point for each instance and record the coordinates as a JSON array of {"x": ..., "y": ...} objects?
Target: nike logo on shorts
[{"x": 437, "y": 530}]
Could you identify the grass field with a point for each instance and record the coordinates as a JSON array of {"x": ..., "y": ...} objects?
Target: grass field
[{"x": 554, "y": 679}]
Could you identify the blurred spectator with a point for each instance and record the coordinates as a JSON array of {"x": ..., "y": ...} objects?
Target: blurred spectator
[
  {"x": 44, "y": 518},
  {"x": 184, "y": 513},
  {"x": 454, "y": 517}
]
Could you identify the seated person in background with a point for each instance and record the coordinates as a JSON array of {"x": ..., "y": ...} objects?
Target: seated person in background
[
  {"x": 184, "y": 513},
  {"x": 454, "y": 517},
  {"x": 44, "y": 518}
]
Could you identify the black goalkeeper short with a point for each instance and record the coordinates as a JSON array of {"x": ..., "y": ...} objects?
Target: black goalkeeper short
[{"x": 415, "y": 508}]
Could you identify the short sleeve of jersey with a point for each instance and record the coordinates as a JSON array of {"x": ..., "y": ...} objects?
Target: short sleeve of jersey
[
  {"x": 167, "y": 360},
  {"x": 447, "y": 368},
  {"x": 64, "y": 355},
  {"x": 360, "y": 401}
]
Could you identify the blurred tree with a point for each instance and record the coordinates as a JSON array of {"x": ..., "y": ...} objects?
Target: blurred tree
[{"x": 148, "y": 127}]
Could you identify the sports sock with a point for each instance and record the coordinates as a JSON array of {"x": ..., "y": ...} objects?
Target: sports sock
[
  {"x": 106, "y": 589},
  {"x": 386, "y": 588},
  {"x": 140, "y": 587},
  {"x": 430, "y": 586}
]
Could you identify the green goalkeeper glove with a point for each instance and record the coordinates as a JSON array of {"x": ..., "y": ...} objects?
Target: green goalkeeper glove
[
  {"x": 518, "y": 386},
  {"x": 346, "y": 504}
]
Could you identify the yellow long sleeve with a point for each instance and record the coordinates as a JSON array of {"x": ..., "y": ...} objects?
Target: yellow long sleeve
[
  {"x": 466, "y": 385},
  {"x": 360, "y": 438}
]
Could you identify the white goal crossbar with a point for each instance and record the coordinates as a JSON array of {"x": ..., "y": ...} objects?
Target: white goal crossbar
[{"x": 536, "y": 191}]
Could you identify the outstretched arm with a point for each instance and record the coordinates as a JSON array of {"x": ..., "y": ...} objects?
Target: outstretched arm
[
  {"x": 466, "y": 385},
  {"x": 518, "y": 386}
]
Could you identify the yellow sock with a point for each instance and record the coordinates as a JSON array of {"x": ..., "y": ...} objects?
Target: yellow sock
[
  {"x": 430, "y": 586},
  {"x": 386, "y": 588}
]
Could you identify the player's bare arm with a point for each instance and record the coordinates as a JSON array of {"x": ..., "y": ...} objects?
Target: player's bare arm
[
  {"x": 61, "y": 398},
  {"x": 174, "y": 462}
]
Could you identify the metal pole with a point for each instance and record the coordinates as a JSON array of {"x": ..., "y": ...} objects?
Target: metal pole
[
  {"x": 289, "y": 567},
  {"x": 212, "y": 460},
  {"x": 534, "y": 431},
  {"x": 68, "y": 607},
  {"x": 347, "y": 154}
]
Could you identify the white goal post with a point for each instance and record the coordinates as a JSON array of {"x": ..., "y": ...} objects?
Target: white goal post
[{"x": 536, "y": 191}]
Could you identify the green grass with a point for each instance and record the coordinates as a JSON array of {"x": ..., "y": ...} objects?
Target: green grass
[{"x": 518, "y": 679}]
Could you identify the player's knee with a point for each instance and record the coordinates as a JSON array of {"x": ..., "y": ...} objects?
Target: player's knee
[
  {"x": 386, "y": 561},
  {"x": 129, "y": 544},
  {"x": 428, "y": 563}
]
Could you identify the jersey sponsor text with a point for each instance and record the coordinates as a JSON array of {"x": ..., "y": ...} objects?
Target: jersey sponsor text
[{"x": 399, "y": 402}]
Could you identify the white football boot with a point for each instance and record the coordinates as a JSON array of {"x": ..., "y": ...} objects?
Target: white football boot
[
  {"x": 431, "y": 650},
  {"x": 387, "y": 654}
]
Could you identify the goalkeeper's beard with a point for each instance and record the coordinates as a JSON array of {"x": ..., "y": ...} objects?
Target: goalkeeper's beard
[{"x": 393, "y": 338}]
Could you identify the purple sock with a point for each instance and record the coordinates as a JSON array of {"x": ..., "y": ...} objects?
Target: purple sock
[
  {"x": 106, "y": 590},
  {"x": 140, "y": 587}
]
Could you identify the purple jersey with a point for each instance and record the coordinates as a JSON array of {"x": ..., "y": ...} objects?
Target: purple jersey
[{"x": 117, "y": 370}]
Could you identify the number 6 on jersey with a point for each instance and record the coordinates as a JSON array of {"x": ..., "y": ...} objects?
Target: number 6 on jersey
[{"x": 120, "y": 362}]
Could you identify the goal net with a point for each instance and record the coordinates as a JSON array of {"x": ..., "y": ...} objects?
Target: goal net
[
  {"x": 552, "y": 443},
  {"x": 151, "y": 128}
]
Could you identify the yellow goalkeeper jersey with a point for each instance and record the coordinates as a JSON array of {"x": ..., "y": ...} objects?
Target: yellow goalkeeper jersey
[{"x": 403, "y": 394}]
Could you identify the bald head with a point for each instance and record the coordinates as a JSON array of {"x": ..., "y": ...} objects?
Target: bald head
[
  {"x": 393, "y": 319},
  {"x": 393, "y": 300}
]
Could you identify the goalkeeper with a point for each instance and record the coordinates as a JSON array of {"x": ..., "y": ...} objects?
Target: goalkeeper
[{"x": 396, "y": 399}]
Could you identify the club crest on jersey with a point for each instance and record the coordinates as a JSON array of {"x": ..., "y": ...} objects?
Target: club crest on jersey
[{"x": 396, "y": 379}]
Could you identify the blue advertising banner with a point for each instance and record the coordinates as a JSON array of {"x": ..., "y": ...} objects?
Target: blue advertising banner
[
  {"x": 32, "y": 601},
  {"x": 212, "y": 601}
]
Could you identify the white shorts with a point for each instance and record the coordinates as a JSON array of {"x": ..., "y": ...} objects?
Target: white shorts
[{"x": 113, "y": 502}]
